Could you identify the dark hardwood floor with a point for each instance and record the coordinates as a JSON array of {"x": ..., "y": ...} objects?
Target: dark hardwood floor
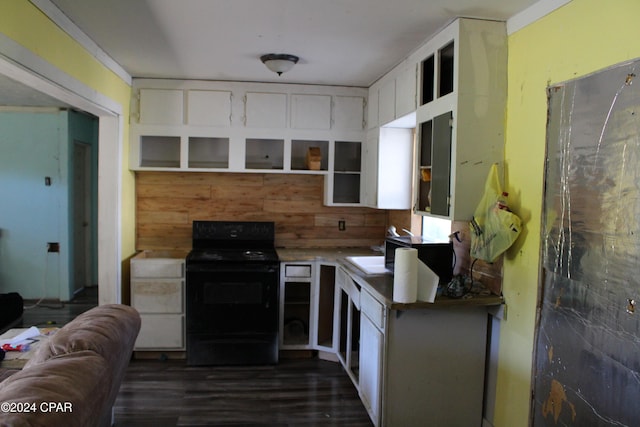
[
  {"x": 161, "y": 393},
  {"x": 296, "y": 392},
  {"x": 55, "y": 313}
]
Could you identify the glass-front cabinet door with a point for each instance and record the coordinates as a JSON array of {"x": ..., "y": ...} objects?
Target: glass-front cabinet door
[{"x": 434, "y": 166}]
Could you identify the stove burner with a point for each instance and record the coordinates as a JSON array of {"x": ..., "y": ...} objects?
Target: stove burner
[
  {"x": 210, "y": 256},
  {"x": 254, "y": 254}
]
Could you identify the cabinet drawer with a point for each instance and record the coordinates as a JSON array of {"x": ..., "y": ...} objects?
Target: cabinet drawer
[
  {"x": 353, "y": 290},
  {"x": 161, "y": 331},
  {"x": 167, "y": 268},
  {"x": 157, "y": 296},
  {"x": 373, "y": 309},
  {"x": 297, "y": 270}
]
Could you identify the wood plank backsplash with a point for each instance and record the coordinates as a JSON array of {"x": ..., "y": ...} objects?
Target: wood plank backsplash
[{"x": 168, "y": 202}]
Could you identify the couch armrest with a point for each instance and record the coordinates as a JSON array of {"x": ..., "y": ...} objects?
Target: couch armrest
[
  {"x": 109, "y": 330},
  {"x": 67, "y": 390}
]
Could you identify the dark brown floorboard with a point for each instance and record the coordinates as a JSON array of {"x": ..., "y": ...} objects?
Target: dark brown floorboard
[{"x": 299, "y": 392}]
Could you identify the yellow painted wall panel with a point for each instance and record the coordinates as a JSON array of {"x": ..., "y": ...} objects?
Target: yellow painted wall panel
[
  {"x": 28, "y": 26},
  {"x": 580, "y": 38}
]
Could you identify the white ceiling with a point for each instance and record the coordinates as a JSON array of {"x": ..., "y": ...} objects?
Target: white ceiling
[{"x": 339, "y": 42}]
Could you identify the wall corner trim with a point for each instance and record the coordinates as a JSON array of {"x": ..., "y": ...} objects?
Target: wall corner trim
[
  {"x": 533, "y": 13},
  {"x": 62, "y": 21}
]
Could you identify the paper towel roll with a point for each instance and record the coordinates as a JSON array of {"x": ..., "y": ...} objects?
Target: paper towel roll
[
  {"x": 405, "y": 275},
  {"x": 427, "y": 283}
]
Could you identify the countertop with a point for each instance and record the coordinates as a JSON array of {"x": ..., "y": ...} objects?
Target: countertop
[
  {"x": 380, "y": 286},
  {"x": 326, "y": 254}
]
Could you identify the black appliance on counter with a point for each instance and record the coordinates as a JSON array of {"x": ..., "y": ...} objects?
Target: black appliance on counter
[
  {"x": 437, "y": 255},
  {"x": 232, "y": 294}
]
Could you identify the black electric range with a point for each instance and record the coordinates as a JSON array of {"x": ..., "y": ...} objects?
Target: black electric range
[{"x": 232, "y": 294}]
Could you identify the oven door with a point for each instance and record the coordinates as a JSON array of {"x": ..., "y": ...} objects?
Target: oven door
[
  {"x": 232, "y": 299},
  {"x": 232, "y": 314}
]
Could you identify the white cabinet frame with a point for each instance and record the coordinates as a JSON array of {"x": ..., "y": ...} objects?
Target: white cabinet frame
[{"x": 236, "y": 114}]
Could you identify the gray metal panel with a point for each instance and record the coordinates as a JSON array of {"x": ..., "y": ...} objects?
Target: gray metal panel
[{"x": 586, "y": 355}]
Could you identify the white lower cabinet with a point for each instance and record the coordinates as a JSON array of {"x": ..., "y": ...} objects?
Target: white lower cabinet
[
  {"x": 160, "y": 332},
  {"x": 433, "y": 367},
  {"x": 371, "y": 347},
  {"x": 297, "y": 299},
  {"x": 411, "y": 367},
  {"x": 421, "y": 366},
  {"x": 307, "y": 304},
  {"x": 157, "y": 292}
]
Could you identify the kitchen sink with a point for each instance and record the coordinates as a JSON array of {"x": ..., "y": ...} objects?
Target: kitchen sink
[{"x": 368, "y": 264}]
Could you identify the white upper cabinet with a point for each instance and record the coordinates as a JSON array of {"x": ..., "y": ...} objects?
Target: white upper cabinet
[
  {"x": 387, "y": 102},
  {"x": 388, "y": 152},
  {"x": 348, "y": 112},
  {"x": 388, "y": 168},
  {"x": 161, "y": 106},
  {"x": 406, "y": 83},
  {"x": 394, "y": 95},
  {"x": 207, "y": 126},
  {"x": 266, "y": 110},
  {"x": 372, "y": 106},
  {"x": 310, "y": 111},
  {"x": 209, "y": 108},
  {"x": 463, "y": 87},
  {"x": 343, "y": 186}
]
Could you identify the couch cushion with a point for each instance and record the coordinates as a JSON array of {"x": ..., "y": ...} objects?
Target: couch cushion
[{"x": 67, "y": 390}]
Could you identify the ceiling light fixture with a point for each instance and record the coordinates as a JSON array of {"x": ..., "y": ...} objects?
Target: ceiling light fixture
[{"x": 279, "y": 62}]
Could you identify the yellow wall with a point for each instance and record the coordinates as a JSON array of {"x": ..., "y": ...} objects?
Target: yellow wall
[
  {"x": 577, "y": 39},
  {"x": 29, "y": 27}
]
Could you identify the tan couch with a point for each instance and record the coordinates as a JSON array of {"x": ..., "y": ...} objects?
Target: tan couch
[{"x": 73, "y": 379}]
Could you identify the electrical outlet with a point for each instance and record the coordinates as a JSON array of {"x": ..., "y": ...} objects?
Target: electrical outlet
[
  {"x": 53, "y": 247},
  {"x": 341, "y": 225}
]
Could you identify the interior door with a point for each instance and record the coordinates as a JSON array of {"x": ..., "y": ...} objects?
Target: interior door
[
  {"x": 83, "y": 209},
  {"x": 81, "y": 215}
]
